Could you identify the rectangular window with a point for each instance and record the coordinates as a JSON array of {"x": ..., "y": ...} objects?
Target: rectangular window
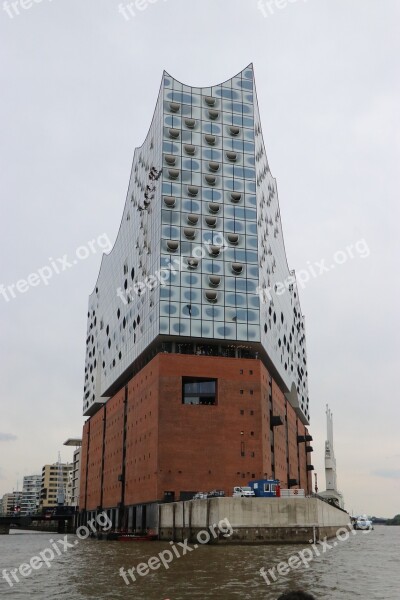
[{"x": 199, "y": 390}]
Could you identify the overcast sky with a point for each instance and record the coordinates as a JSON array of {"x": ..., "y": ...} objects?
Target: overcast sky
[{"x": 79, "y": 82}]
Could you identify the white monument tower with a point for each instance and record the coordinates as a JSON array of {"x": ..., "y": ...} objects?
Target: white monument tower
[{"x": 330, "y": 464}]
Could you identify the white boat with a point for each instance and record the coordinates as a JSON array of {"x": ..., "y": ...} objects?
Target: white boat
[{"x": 363, "y": 523}]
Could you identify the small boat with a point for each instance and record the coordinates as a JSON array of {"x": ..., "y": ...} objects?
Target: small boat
[
  {"x": 148, "y": 536},
  {"x": 362, "y": 523}
]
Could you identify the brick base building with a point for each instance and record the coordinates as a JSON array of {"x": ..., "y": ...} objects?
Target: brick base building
[{"x": 186, "y": 423}]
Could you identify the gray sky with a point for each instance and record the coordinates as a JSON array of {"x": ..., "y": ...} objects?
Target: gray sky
[{"x": 79, "y": 82}]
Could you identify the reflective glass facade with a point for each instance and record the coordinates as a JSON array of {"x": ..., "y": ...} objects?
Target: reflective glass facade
[{"x": 200, "y": 234}]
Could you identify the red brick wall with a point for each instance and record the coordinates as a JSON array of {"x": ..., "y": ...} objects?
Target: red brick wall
[
  {"x": 141, "y": 442},
  {"x": 305, "y": 476},
  {"x": 93, "y": 499},
  {"x": 265, "y": 424},
  {"x": 175, "y": 447},
  {"x": 113, "y": 443},
  {"x": 279, "y": 408},
  {"x": 85, "y": 441},
  {"x": 292, "y": 444},
  {"x": 200, "y": 446}
]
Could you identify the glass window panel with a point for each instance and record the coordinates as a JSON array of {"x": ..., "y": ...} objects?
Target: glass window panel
[
  {"x": 212, "y": 266},
  {"x": 249, "y": 122},
  {"x": 171, "y": 217},
  {"x": 211, "y": 195},
  {"x": 171, "y": 148},
  {"x": 216, "y": 91},
  {"x": 252, "y": 286},
  {"x": 254, "y": 332},
  {"x": 169, "y": 293},
  {"x": 206, "y": 329},
  {"x": 219, "y": 330},
  {"x": 228, "y": 118},
  {"x": 181, "y": 97},
  {"x": 236, "y": 185},
  {"x": 196, "y": 138},
  {"x": 172, "y": 121},
  {"x": 245, "y": 85},
  {"x": 234, "y": 226},
  {"x": 229, "y": 93},
  {"x": 251, "y": 228},
  {"x": 192, "y": 311},
  {"x": 253, "y": 316},
  {"x": 169, "y": 232},
  {"x": 250, "y": 186},
  {"x": 190, "y": 279},
  {"x": 190, "y": 164},
  {"x": 174, "y": 278},
  {"x": 253, "y": 301},
  {"x": 186, "y": 110},
  {"x": 213, "y": 312},
  {"x": 190, "y": 206},
  {"x": 190, "y": 295},
  {"x": 237, "y": 120},
  {"x": 248, "y": 159},
  {"x": 206, "y": 387},
  {"x": 171, "y": 189},
  {"x": 168, "y": 309},
  {"x": 180, "y": 327},
  {"x": 251, "y": 242},
  {"x": 249, "y": 147},
  {"x": 195, "y": 328},
  {"x": 241, "y": 331},
  {"x": 232, "y": 299},
  {"x": 212, "y": 128},
  {"x": 212, "y": 154},
  {"x": 164, "y": 325},
  {"x": 253, "y": 271}
]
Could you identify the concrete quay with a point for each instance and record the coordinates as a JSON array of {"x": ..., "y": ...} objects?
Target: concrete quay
[{"x": 253, "y": 520}]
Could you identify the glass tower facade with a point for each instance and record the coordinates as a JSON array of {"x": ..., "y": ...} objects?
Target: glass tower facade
[{"x": 199, "y": 256}]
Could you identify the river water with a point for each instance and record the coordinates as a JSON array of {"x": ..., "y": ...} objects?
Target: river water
[{"x": 365, "y": 565}]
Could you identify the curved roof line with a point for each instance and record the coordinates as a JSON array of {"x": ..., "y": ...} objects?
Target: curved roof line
[{"x": 250, "y": 65}]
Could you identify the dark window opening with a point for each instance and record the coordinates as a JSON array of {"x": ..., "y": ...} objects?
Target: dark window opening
[
  {"x": 242, "y": 453},
  {"x": 199, "y": 391}
]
